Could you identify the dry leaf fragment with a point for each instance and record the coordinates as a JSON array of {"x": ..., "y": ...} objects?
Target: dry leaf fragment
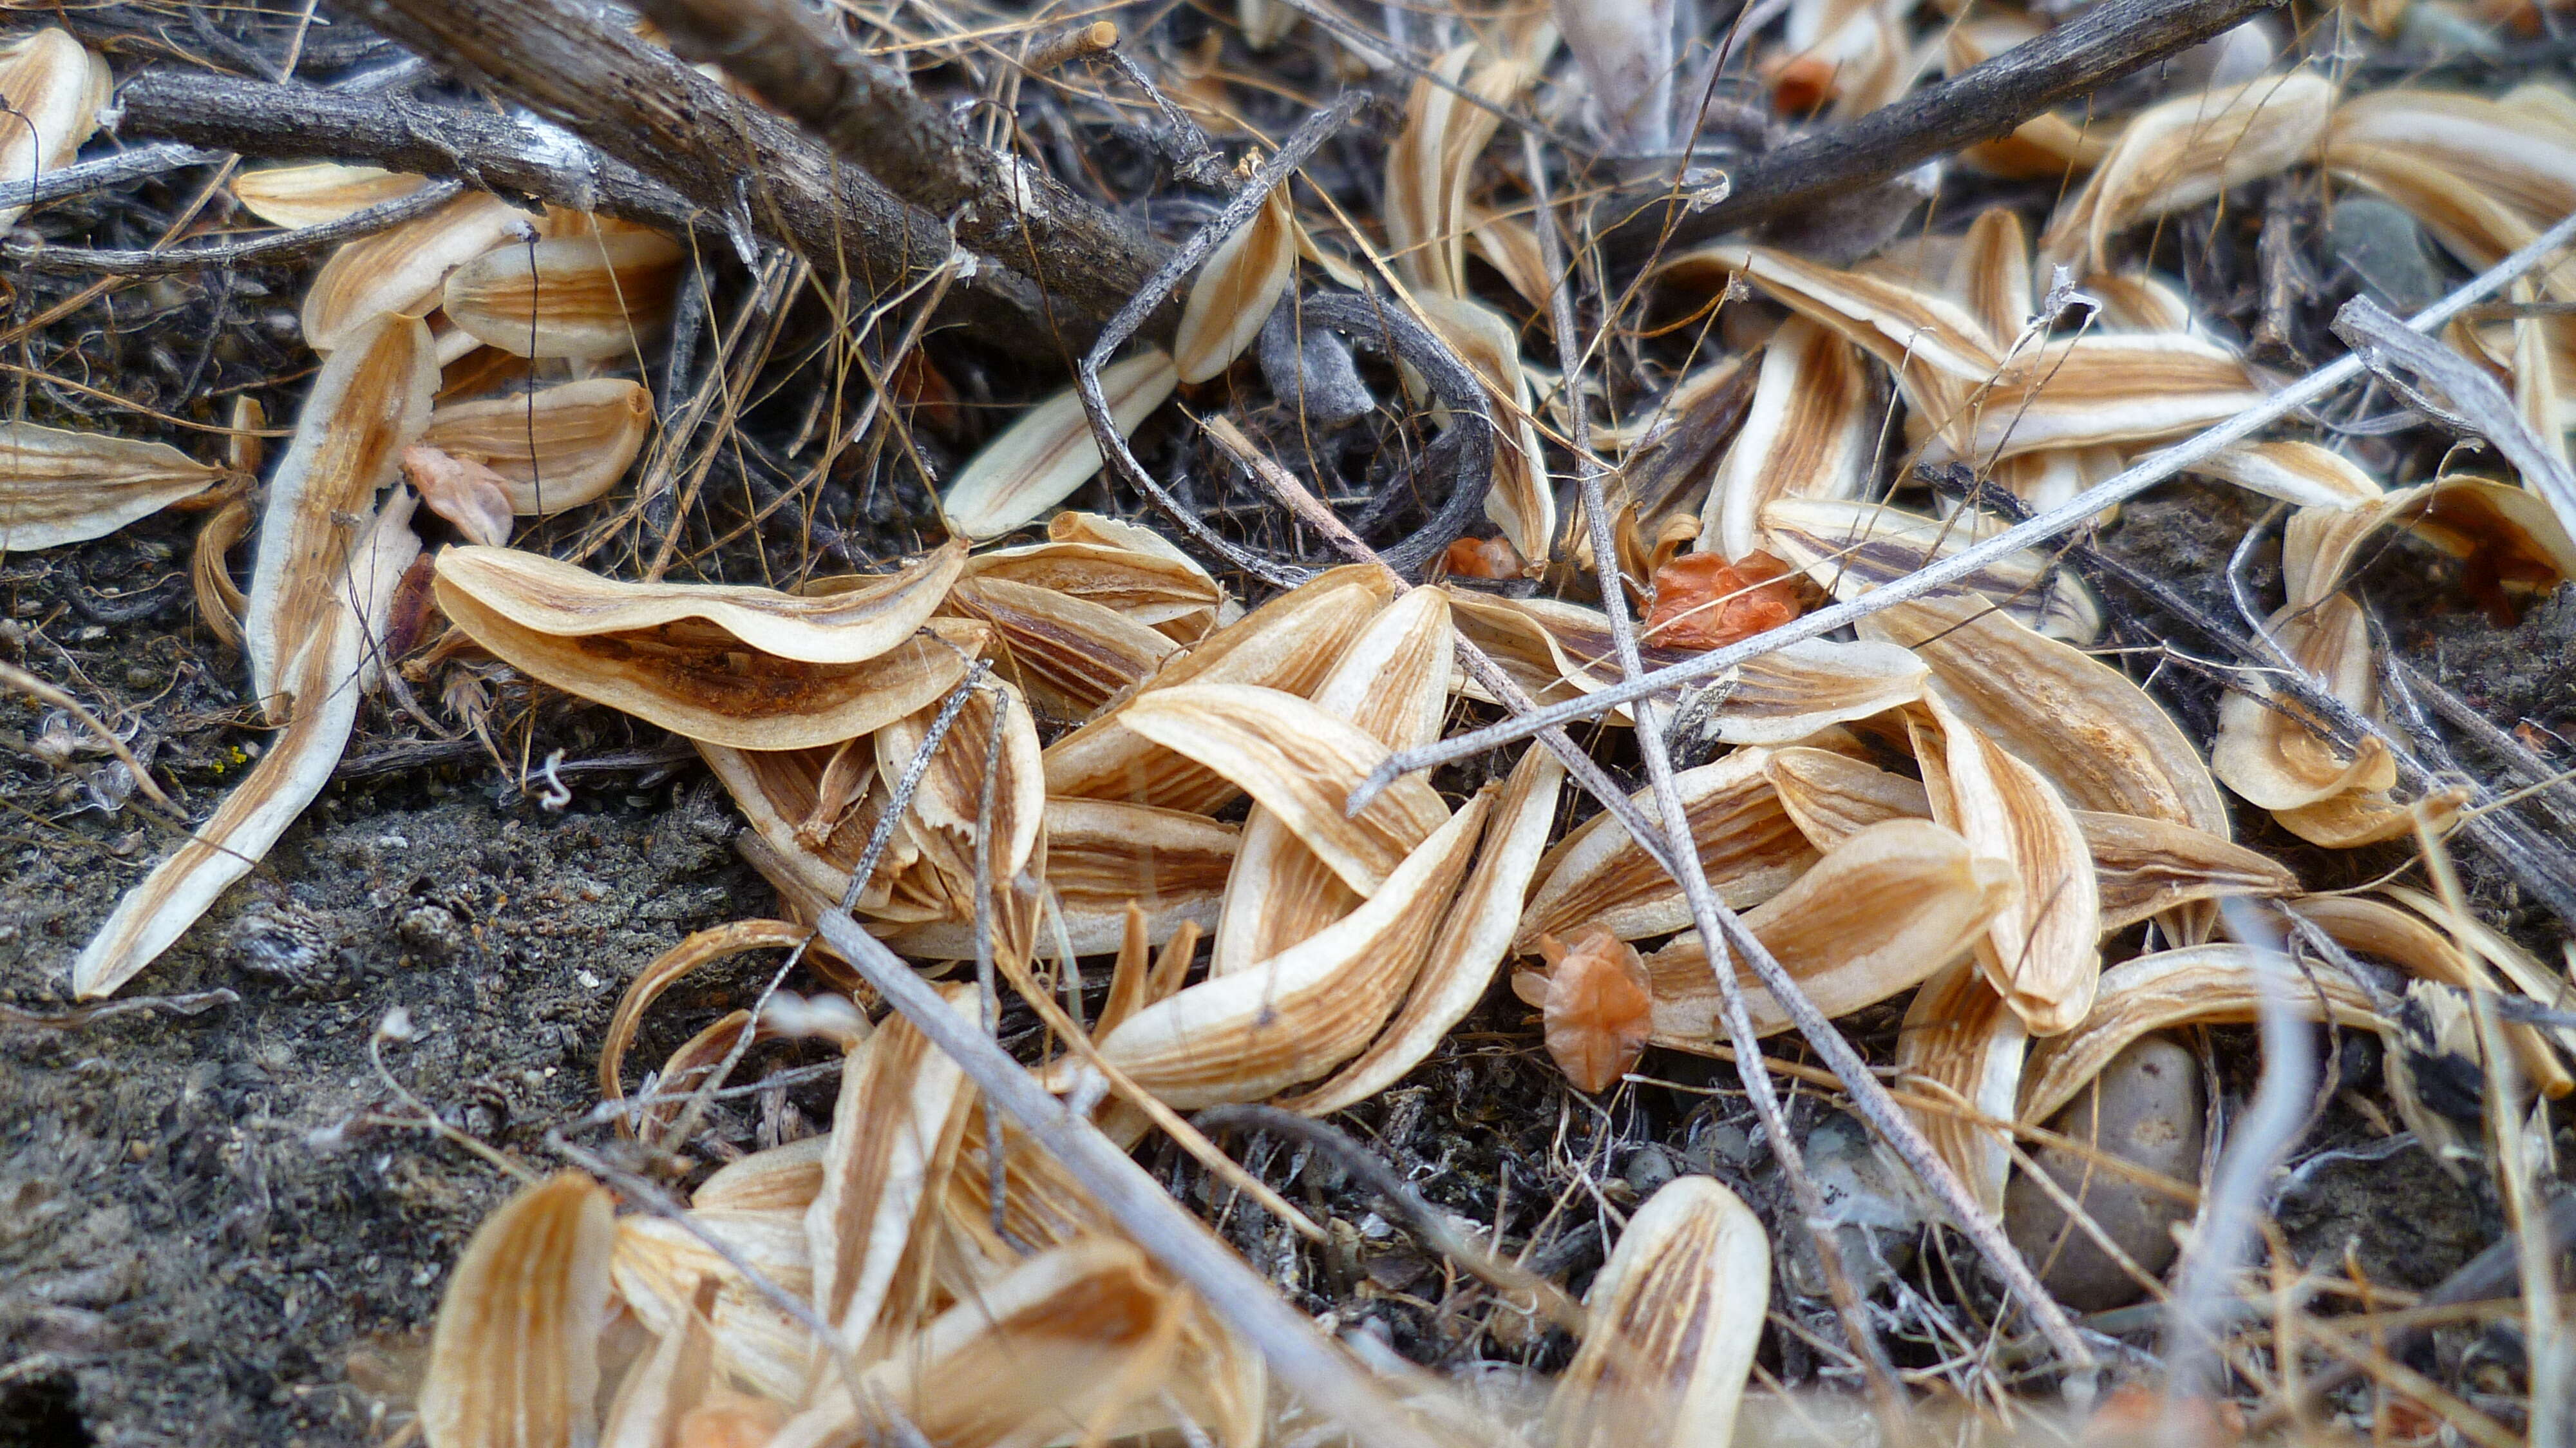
[
  {"x": 579, "y": 296},
  {"x": 369, "y": 402},
  {"x": 2190, "y": 149},
  {"x": 319, "y": 193},
  {"x": 1673, "y": 1320},
  {"x": 401, "y": 270},
  {"x": 1236, "y": 288},
  {"x": 1598, "y": 1007},
  {"x": 556, "y": 448},
  {"x": 464, "y": 492},
  {"x": 61, "y": 487},
  {"x": 1049, "y": 451},
  {"x": 54, "y": 89},
  {"x": 1884, "y": 911},
  {"x": 514, "y": 1361},
  {"x": 1600, "y": 876}
]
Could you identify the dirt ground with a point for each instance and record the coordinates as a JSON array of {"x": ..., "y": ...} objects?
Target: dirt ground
[{"x": 210, "y": 1231}]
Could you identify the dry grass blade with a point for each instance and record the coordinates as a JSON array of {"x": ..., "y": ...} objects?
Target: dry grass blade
[
  {"x": 401, "y": 270},
  {"x": 53, "y": 89},
  {"x": 1300, "y": 763},
  {"x": 1289, "y": 644},
  {"x": 2092, "y": 733},
  {"x": 1049, "y": 451},
  {"x": 1962, "y": 1042},
  {"x": 1886, "y": 910},
  {"x": 60, "y": 487},
  {"x": 1600, "y": 875},
  {"x": 580, "y": 296},
  {"x": 1809, "y": 434},
  {"x": 2211, "y": 985},
  {"x": 515, "y": 1360},
  {"x": 369, "y": 402},
  {"x": 559, "y": 447},
  {"x": 2188, "y": 150},
  {"x": 1236, "y": 288},
  {"x": 320, "y": 193},
  {"x": 324, "y": 679},
  {"x": 1675, "y": 1316},
  {"x": 2041, "y": 952},
  {"x": 1474, "y": 934},
  {"x": 1304, "y": 1011}
]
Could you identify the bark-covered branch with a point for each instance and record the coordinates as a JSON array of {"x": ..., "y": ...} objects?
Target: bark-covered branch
[{"x": 1978, "y": 104}]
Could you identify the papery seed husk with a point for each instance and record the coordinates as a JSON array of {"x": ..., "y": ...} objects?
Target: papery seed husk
[
  {"x": 514, "y": 1359},
  {"x": 367, "y": 404},
  {"x": 1469, "y": 946},
  {"x": 401, "y": 270},
  {"x": 782, "y": 1178},
  {"x": 1849, "y": 548},
  {"x": 2093, "y": 733},
  {"x": 558, "y": 448},
  {"x": 1068, "y": 654},
  {"x": 2189, "y": 149},
  {"x": 2148, "y": 866},
  {"x": 1304, "y": 1011},
  {"x": 2300, "y": 473},
  {"x": 2376, "y": 927},
  {"x": 1300, "y": 763},
  {"x": 1791, "y": 693},
  {"x": 2462, "y": 163},
  {"x": 834, "y": 621},
  {"x": 1236, "y": 288},
  {"x": 1599, "y": 875},
  {"x": 60, "y": 487},
  {"x": 1886, "y": 910},
  {"x": 662, "y": 1387},
  {"x": 2209, "y": 985},
  {"x": 2121, "y": 389},
  {"x": 319, "y": 193},
  {"x": 1963, "y": 1043},
  {"x": 1673, "y": 1319},
  {"x": 1991, "y": 276},
  {"x": 2041, "y": 952},
  {"x": 583, "y": 297},
  {"x": 54, "y": 89},
  {"x": 2270, "y": 756},
  {"x": 1288, "y": 643},
  {"x": 1934, "y": 347},
  {"x": 1808, "y": 434},
  {"x": 1171, "y": 595},
  {"x": 1049, "y": 451},
  {"x": 1832, "y": 796},
  {"x": 1102, "y": 855},
  {"x": 1521, "y": 501},
  {"x": 659, "y": 1263}
]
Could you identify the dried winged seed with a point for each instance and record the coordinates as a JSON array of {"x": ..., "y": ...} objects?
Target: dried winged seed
[
  {"x": 1048, "y": 1351},
  {"x": 1809, "y": 434},
  {"x": 1429, "y": 167},
  {"x": 1881, "y": 913},
  {"x": 320, "y": 193},
  {"x": 2042, "y": 951},
  {"x": 53, "y": 89},
  {"x": 2148, "y": 866},
  {"x": 1849, "y": 548},
  {"x": 782, "y": 1178},
  {"x": 1510, "y": 245},
  {"x": 369, "y": 402},
  {"x": 464, "y": 492},
  {"x": 1393, "y": 684},
  {"x": 2096, "y": 391},
  {"x": 1597, "y": 1008},
  {"x": 1288, "y": 643},
  {"x": 2267, "y": 754},
  {"x": 1834, "y": 796},
  {"x": 2207, "y": 985},
  {"x": 834, "y": 621},
  {"x": 2190, "y": 149},
  {"x": 783, "y": 795},
  {"x": 2141, "y": 301},
  {"x": 948, "y": 803},
  {"x": 1071, "y": 655},
  {"x": 1600, "y": 876},
  {"x": 1473, "y": 937},
  {"x": 702, "y": 683},
  {"x": 2080, "y": 722},
  {"x": 894, "y": 1140},
  {"x": 1235, "y": 290},
  {"x": 1309, "y": 1008},
  {"x": 1521, "y": 501},
  {"x": 1301, "y": 764},
  {"x": 401, "y": 270},
  {"x": 1553, "y": 650},
  {"x": 578, "y": 296},
  {"x": 659, "y": 1264},
  {"x": 1673, "y": 1320},
  {"x": 2294, "y": 472},
  {"x": 515, "y": 1358},
  {"x": 1049, "y": 451},
  {"x": 557, "y": 448},
  {"x": 1962, "y": 1043},
  {"x": 1791, "y": 693},
  {"x": 61, "y": 487},
  {"x": 325, "y": 678}
]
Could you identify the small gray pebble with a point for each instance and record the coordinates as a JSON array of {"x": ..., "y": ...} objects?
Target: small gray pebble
[
  {"x": 2145, "y": 1108},
  {"x": 2384, "y": 247}
]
